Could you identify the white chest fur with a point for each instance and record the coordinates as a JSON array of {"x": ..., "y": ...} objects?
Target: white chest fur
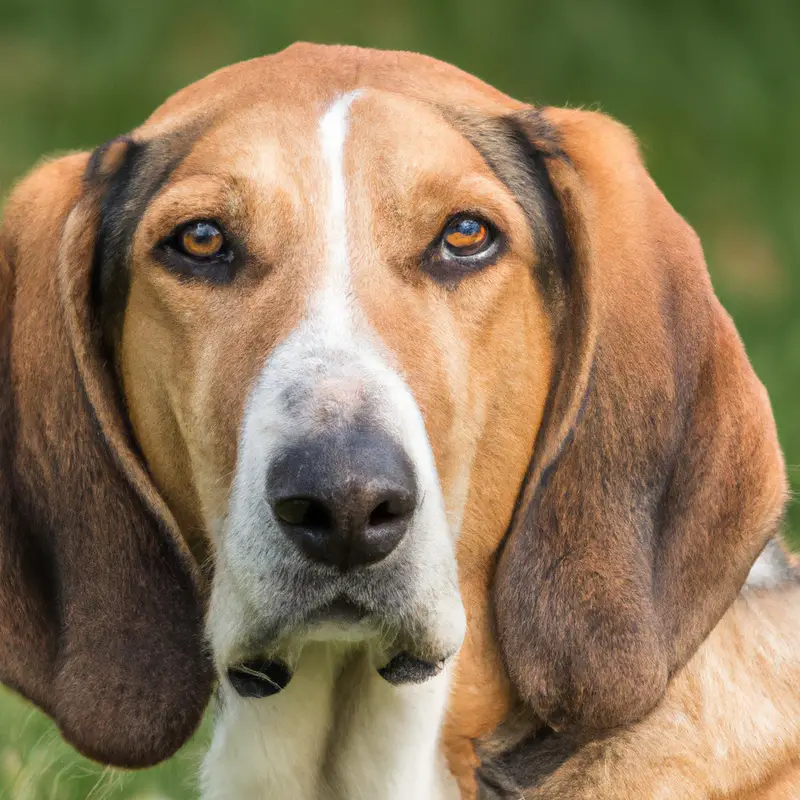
[{"x": 337, "y": 731}]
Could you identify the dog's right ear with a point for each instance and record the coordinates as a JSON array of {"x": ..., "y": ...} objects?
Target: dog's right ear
[{"x": 100, "y": 611}]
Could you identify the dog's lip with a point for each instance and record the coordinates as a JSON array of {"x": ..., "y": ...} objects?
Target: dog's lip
[
  {"x": 259, "y": 678},
  {"x": 407, "y": 668}
]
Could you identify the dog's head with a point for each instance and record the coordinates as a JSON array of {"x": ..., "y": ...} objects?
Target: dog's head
[{"x": 326, "y": 319}]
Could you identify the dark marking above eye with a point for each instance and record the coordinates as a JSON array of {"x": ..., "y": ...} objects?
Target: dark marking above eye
[
  {"x": 517, "y": 148},
  {"x": 128, "y": 173}
]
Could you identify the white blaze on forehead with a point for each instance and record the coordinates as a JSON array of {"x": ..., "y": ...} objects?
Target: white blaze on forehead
[{"x": 334, "y": 299}]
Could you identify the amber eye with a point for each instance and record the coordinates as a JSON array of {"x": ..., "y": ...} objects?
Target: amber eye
[
  {"x": 466, "y": 236},
  {"x": 202, "y": 240}
]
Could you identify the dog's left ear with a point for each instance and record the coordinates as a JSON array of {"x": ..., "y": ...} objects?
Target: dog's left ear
[
  {"x": 657, "y": 477},
  {"x": 101, "y": 618}
]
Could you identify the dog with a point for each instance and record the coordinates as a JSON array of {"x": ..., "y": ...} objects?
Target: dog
[{"x": 404, "y": 415}]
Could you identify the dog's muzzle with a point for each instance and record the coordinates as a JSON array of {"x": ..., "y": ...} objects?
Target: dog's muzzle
[
  {"x": 345, "y": 499},
  {"x": 336, "y": 530}
]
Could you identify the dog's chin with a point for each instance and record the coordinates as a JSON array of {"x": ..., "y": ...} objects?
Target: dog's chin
[{"x": 400, "y": 650}]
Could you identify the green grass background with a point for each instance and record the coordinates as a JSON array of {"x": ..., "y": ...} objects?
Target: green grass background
[{"x": 711, "y": 87}]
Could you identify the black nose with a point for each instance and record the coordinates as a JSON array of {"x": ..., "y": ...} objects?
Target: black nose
[{"x": 345, "y": 498}]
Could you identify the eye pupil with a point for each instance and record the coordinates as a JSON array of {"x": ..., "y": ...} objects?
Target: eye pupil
[
  {"x": 466, "y": 236},
  {"x": 202, "y": 240}
]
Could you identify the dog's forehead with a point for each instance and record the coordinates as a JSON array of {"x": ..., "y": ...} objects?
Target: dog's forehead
[
  {"x": 308, "y": 76},
  {"x": 392, "y": 138}
]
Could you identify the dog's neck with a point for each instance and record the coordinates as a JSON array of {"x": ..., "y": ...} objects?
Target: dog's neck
[
  {"x": 727, "y": 728},
  {"x": 338, "y": 731}
]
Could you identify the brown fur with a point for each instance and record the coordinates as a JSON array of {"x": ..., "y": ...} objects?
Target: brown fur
[
  {"x": 592, "y": 572},
  {"x": 98, "y": 605},
  {"x": 669, "y": 479}
]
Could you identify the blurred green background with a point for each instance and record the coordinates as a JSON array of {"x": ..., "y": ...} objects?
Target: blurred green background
[{"x": 711, "y": 87}]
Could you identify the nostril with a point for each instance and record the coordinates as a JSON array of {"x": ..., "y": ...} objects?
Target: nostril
[
  {"x": 381, "y": 514},
  {"x": 388, "y": 511},
  {"x": 304, "y": 512}
]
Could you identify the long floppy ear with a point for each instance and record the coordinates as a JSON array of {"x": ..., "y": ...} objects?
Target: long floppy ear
[
  {"x": 657, "y": 477},
  {"x": 100, "y": 614}
]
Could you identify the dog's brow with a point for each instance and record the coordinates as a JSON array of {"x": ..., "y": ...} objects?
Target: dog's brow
[
  {"x": 509, "y": 151},
  {"x": 139, "y": 174}
]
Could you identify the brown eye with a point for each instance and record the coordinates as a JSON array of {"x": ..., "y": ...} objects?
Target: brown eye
[
  {"x": 202, "y": 240},
  {"x": 466, "y": 236}
]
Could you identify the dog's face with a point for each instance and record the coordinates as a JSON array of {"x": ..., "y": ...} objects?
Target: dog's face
[
  {"x": 377, "y": 345},
  {"x": 329, "y": 306}
]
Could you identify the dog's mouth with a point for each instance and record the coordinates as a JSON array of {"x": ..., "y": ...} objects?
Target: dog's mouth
[{"x": 264, "y": 677}]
